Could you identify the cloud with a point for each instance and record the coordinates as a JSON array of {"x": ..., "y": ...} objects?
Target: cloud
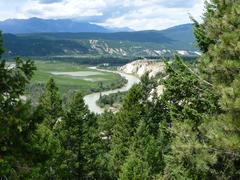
[
  {"x": 179, "y": 3},
  {"x": 48, "y": 1},
  {"x": 158, "y": 14},
  {"x": 63, "y": 9},
  {"x": 136, "y": 14}
]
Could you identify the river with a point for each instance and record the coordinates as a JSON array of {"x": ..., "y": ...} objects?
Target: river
[{"x": 91, "y": 99}]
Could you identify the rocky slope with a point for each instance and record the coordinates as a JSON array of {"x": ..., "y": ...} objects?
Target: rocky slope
[{"x": 140, "y": 67}]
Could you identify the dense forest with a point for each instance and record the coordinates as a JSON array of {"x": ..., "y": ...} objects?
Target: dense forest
[{"x": 190, "y": 132}]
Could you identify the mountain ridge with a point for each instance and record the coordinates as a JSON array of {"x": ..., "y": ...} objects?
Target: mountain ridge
[
  {"x": 178, "y": 39},
  {"x": 37, "y": 25}
]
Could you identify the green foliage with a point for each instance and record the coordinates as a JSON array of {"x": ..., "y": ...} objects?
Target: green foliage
[
  {"x": 13, "y": 82},
  {"x": 187, "y": 101},
  {"x": 205, "y": 142},
  {"x": 134, "y": 169},
  {"x": 187, "y": 95},
  {"x": 111, "y": 100},
  {"x": 221, "y": 22},
  {"x": 77, "y": 133},
  {"x": 51, "y": 103},
  {"x": 200, "y": 32},
  {"x": 18, "y": 120},
  {"x": 45, "y": 147},
  {"x": 132, "y": 139},
  {"x": 143, "y": 156},
  {"x": 1, "y": 44},
  {"x": 124, "y": 129},
  {"x": 220, "y": 65}
]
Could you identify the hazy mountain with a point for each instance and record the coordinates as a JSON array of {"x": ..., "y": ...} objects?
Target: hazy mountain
[
  {"x": 36, "y": 25},
  {"x": 136, "y": 36},
  {"x": 123, "y": 29},
  {"x": 182, "y": 33}
]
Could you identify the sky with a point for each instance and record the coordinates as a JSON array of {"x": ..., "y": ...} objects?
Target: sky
[{"x": 134, "y": 14}]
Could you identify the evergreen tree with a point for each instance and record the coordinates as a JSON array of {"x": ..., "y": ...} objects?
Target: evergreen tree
[
  {"x": 51, "y": 103},
  {"x": 134, "y": 168},
  {"x": 144, "y": 157},
  {"x": 210, "y": 149},
  {"x": 106, "y": 123},
  {"x": 126, "y": 123},
  {"x": 220, "y": 63},
  {"x": 189, "y": 101},
  {"x": 77, "y": 133},
  {"x": 46, "y": 147},
  {"x": 137, "y": 107},
  {"x": 221, "y": 66},
  {"x": 18, "y": 120}
]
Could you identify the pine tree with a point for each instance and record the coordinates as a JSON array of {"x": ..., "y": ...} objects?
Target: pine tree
[
  {"x": 221, "y": 25},
  {"x": 46, "y": 147},
  {"x": 126, "y": 123},
  {"x": 137, "y": 107},
  {"x": 144, "y": 160},
  {"x": 189, "y": 101},
  {"x": 209, "y": 149},
  {"x": 221, "y": 66},
  {"x": 134, "y": 168},
  {"x": 51, "y": 103},
  {"x": 77, "y": 133},
  {"x": 18, "y": 120}
]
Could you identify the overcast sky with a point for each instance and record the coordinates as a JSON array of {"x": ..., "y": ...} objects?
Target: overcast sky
[{"x": 135, "y": 14}]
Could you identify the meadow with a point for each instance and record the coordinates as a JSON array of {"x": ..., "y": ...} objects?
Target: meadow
[{"x": 71, "y": 77}]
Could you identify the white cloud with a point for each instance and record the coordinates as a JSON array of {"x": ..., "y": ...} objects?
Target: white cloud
[
  {"x": 150, "y": 15},
  {"x": 63, "y": 9},
  {"x": 49, "y": 1},
  {"x": 136, "y": 14}
]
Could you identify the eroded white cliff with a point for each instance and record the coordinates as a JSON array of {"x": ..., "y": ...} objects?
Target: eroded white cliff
[{"x": 140, "y": 67}]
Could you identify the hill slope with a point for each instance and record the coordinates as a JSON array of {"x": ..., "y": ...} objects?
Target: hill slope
[{"x": 139, "y": 43}]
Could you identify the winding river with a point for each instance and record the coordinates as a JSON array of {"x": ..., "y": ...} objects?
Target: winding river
[{"x": 91, "y": 99}]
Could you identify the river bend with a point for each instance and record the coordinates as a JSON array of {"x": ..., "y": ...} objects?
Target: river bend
[{"x": 91, "y": 99}]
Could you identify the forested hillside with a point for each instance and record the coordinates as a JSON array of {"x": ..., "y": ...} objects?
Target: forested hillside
[
  {"x": 123, "y": 44},
  {"x": 190, "y": 132}
]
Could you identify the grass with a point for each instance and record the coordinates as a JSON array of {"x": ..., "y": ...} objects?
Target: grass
[{"x": 103, "y": 81}]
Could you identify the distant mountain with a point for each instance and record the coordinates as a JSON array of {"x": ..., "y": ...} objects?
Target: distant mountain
[
  {"x": 36, "y": 25},
  {"x": 182, "y": 33},
  {"x": 123, "y": 29},
  {"x": 178, "y": 39},
  {"x": 136, "y": 36}
]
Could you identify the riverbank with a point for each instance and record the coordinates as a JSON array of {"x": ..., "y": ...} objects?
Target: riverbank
[{"x": 91, "y": 99}]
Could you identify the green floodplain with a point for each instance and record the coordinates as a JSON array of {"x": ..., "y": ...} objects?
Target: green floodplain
[{"x": 71, "y": 77}]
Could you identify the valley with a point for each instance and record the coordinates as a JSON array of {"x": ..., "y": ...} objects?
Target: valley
[
  {"x": 67, "y": 56},
  {"x": 71, "y": 77},
  {"x": 119, "y": 90}
]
